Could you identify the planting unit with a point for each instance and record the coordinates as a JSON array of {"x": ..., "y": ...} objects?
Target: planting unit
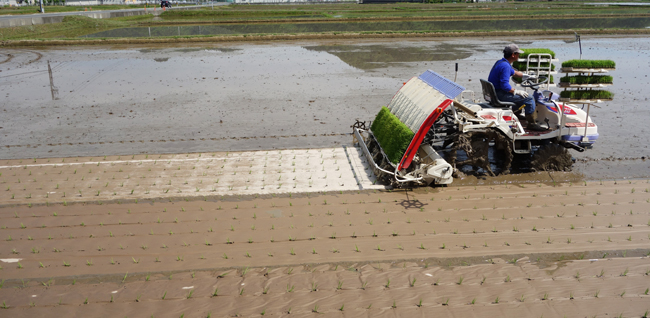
[{"x": 582, "y": 85}]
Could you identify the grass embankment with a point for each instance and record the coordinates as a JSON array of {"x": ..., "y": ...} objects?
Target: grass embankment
[
  {"x": 393, "y": 136},
  {"x": 6, "y": 10},
  {"x": 396, "y": 11},
  {"x": 72, "y": 26},
  {"x": 70, "y": 29}
]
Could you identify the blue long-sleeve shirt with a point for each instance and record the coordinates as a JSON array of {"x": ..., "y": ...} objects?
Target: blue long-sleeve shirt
[{"x": 500, "y": 75}]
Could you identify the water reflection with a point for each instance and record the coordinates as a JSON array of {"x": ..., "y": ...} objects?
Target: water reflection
[
  {"x": 375, "y": 56},
  {"x": 281, "y": 28}
]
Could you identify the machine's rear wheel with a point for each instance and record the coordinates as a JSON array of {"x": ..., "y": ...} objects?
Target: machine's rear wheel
[
  {"x": 476, "y": 145},
  {"x": 551, "y": 157}
]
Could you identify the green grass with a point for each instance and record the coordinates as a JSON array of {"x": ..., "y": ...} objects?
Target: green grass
[
  {"x": 535, "y": 50},
  {"x": 334, "y": 12},
  {"x": 589, "y": 64},
  {"x": 72, "y": 26},
  {"x": 588, "y": 94},
  {"x": 602, "y": 79},
  {"x": 393, "y": 136},
  {"x": 523, "y": 67},
  {"x": 229, "y": 13}
]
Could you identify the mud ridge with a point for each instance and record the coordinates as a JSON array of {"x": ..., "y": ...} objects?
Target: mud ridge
[
  {"x": 320, "y": 36},
  {"x": 382, "y": 19}
]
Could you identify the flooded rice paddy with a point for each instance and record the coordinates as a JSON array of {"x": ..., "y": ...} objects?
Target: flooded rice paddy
[
  {"x": 424, "y": 26},
  {"x": 258, "y": 96}
]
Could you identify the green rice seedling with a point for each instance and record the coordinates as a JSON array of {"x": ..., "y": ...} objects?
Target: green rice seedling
[
  {"x": 646, "y": 291},
  {"x": 624, "y": 273},
  {"x": 460, "y": 280},
  {"x": 290, "y": 288},
  {"x": 496, "y": 301},
  {"x": 443, "y": 246},
  {"x": 89, "y": 262},
  {"x": 545, "y": 297},
  {"x": 596, "y": 294},
  {"x": 412, "y": 282},
  {"x": 507, "y": 280},
  {"x": 66, "y": 264}
]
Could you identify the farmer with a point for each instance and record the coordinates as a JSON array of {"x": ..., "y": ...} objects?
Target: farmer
[{"x": 500, "y": 78}]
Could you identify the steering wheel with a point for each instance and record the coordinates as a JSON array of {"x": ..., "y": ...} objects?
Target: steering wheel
[{"x": 530, "y": 84}]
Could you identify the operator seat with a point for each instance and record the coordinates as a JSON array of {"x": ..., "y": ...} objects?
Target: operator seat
[{"x": 490, "y": 95}]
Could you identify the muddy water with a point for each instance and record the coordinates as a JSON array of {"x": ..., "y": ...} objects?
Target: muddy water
[
  {"x": 429, "y": 26},
  {"x": 222, "y": 97}
]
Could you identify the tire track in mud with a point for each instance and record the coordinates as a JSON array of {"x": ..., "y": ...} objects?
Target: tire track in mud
[
  {"x": 9, "y": 57},
  {"x": 38, "y": 57}
]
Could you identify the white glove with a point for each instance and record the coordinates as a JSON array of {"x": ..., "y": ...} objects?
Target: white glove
[
  {"x": 526, "y": 77},
  {"x": 521, "y": 93}
]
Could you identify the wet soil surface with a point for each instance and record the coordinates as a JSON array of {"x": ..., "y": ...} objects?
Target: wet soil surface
[
  {"x": 253, "y": 96},
  {"x": 505, "y": 250}
]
